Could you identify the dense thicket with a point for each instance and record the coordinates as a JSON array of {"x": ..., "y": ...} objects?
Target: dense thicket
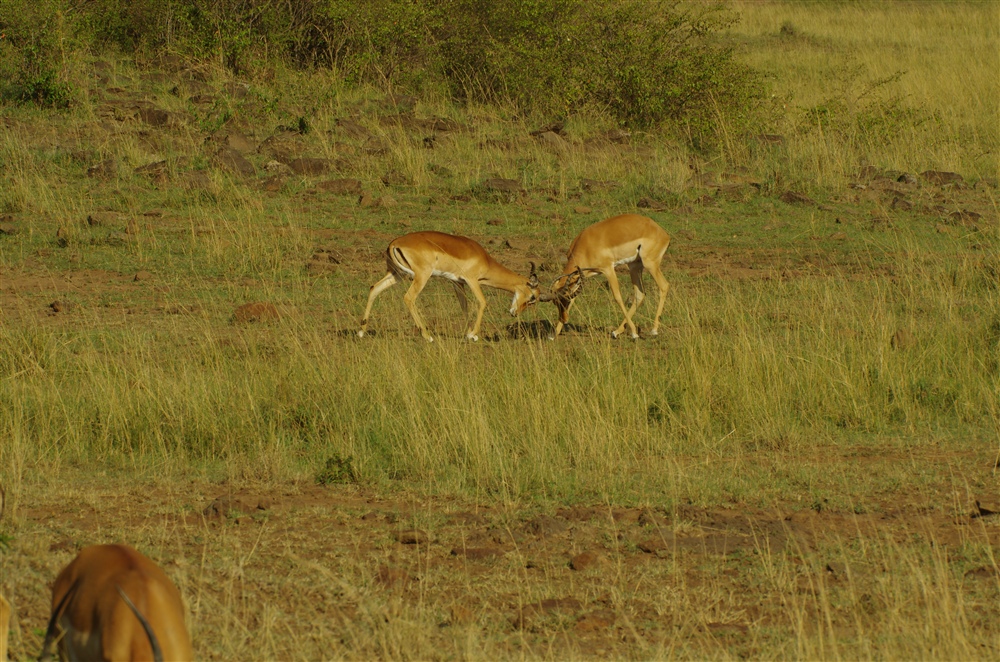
[{"x": 645, "y": 62}]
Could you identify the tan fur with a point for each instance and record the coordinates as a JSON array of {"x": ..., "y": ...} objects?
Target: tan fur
[
  {"x": 627, "y": 239},
  {"x": 95, "y": 621},
  {"x": 421, "y": 255}
]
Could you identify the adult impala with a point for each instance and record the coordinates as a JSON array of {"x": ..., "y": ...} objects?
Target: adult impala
[
  {"x": 627, "y": 239},
  {"x": 113, "y": 603},
  {"x": 421, "y": 255}
]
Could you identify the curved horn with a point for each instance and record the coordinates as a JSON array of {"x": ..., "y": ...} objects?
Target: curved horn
[{"x": 532, "y": 277}]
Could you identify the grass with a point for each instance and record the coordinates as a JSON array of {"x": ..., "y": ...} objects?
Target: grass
[{"x": 824, "y": 389}]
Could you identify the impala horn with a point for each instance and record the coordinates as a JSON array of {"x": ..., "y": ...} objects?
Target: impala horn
[{"x": 532, "y": 277}]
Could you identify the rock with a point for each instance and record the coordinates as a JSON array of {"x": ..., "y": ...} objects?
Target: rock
[
  {"x": 198, "y": 181},
  {"x": 939, "y": 178},
  {"x": 649, "y": 518},
  {"x": 901, "y": 204},
  {"x": 392, "y": 577},
  {"x": 141, "y": 276},
  {"x": 396, "y": 178},
  {"x": 588, "y": 561},
  {"x": 412, "y": 537},
  {"x": 839, "y": 236},
  {"x": 771, "y": 138},
  {"x": 553, "y": 140},
  {"x": 595, "y": 621},
  {"x": 236, "y": 141},
  {"x": 61, "y": 306},
  {"x": 498, "y": 185},
  {"x": 477, "y": 553},
  {"x": 546, "y": 525},
  {"x": 257, "y": 311},
  {"x": 100, "y": 218},
  {"x": 272, "y": 184},
  {"x": 582, "y": 210},
  {"x": 653, "y": 545},
  {"x": 906, "y": 178},
  {"x": 106, "y": 169},
  {"x": 791, "y": 197},
  {"x": 965, "y": 217},
  {"x": 8, "y": 229},
  {"x": 154, "y": 116},
  {"x": 233, "y": 161},
  {"x": 341, "y": 186},
  {"x": 156, "y": 171},
  {"x": 495, "y": 222},
  {"x": 366, "y": 200},
  {"x": 223, "y": 507},
  {"x": 440, "y": 170},
  {"x": 650, "y": 203},
  {"x": 309, "y": 166}
]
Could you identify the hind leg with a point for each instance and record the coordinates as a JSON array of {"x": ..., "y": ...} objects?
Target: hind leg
[
  {"x": 617, "y": 294},
  {"x": 410, "y": 299},
  {"x": 664, "y": 287},
  {"x": 378, "y": 288}
]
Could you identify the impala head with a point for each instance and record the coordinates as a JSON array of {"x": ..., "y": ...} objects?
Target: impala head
[
  {"x": 565, "y": 288},
  {"x": 527, "y": 294}
]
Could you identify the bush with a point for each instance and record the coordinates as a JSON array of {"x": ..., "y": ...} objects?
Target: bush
[
  {"x": 645, "y": 63},
  {"x": 31, "y": 45}
]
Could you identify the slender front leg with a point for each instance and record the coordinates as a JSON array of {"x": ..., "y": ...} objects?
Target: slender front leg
[
  {"x": 473, "y": 333},
  {"x": 378, "y": 288},
  {"x": 410, "y": 299},
  {"x": 638, "y": 292},
  {"x": 563, "y": 318},
  {"x": 617, "y": 293}
]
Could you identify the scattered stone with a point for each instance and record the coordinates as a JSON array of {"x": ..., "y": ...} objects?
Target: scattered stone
[
  {"x": 106, "y": 169},
  {"x": 276, "y": 166},
  {"x": 132, "y": 227},
  {"x": 771, "y": 138},
  {"x": 156, "y": 171},
  {"x": 546, "y": 525},
  {"x": 59, "y": 306},
  {"x": 412, "y": 537},
  {"x": 392, "y": 577},
  {"x": 141, "y": 276},
  {"x": 791, "y": 197},
  {"x": 352, "y": 129},
  {"x": 272, "y": 184},
  {"x": 477, "y": 553},
  {"x": 582, "y": 210},
  {"x": 650, "y": 203},
  {"x": 154, "y": 116},
  {"x": 587, "y": 561},
  {"x": 553, "y": 140},
  {"x": 309, "y": 166},
  {"x": 986, "y": 509},
  {"x": 233, "y": 161},
  {"x": 341, "y": 186},
  {"x": 495, "y": 222},
  {"x": 942, "y": 228},
  {"x": 505, "y": 188},
  {"x": 8, "y": 229},
  {"x": 101, "y": 218},
  {"x": 965, "y": 216},
  {"x": 649, "y": 518},
  {"x": 396, "y": 178},
  {"x": 595, "y": 621},
  {"x": 366, "y": 200},
  {"x": 198, "y": 180},
  {"x": 236, "y": 141},
  {"x": 256, "y": 311},
  {"x": 440, "y": 170},
  {"x": 839, "y": 236},
  {"x": 223, "y": 507},
  {"x": 653, "y": 545},
  {"x": 940, "y": 178},
  {"x": 906, "y": 178},
  {"x": 558, "y": 128},
  {"x": 901, "y": 204}
]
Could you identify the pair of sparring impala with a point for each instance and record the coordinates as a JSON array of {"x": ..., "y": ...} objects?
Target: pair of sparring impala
[
  {"x": 111, "y": 603},
  {"x": 627, "y": 239}
]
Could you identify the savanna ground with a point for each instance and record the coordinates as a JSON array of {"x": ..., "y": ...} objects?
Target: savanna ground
[{"x": 803, "y": 464}]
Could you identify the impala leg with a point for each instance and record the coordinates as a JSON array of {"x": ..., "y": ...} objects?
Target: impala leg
[
  {"x": 638, "y": 291},
  {"x": 563, "y": 318},
  {"x": 377, "y": 289},
  {"x": 463, "y": 301},
  {"x": 410, "y": 299},
  {"x": 617, "y": 293},
  {"x": 473, "y": 334},
  {"x": 664, "y": 287}
]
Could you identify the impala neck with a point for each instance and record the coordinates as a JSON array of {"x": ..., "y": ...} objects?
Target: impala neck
[{"x": 503, "y": 278}]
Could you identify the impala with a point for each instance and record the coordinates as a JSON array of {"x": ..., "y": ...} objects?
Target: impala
[
  {"x": 421, "y": 255},
  {"x": 627, "y": 239},
  {"x": 4, "y": 605},
  {"x": 113, "y": 603}
]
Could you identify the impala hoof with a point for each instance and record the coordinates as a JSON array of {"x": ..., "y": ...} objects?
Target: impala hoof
[
  {"x": 361, "y": 333},
  {"x": 472, "y": 338},
  {"x": 615, "y": 334}
]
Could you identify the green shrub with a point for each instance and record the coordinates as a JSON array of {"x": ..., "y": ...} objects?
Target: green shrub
[{"x": 31, "y": 49}]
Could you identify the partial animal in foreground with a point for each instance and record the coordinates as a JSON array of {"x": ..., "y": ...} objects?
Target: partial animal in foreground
[
  {"x": 421, "y": 255},
  {"x": 627, "y": 239},
  {"x": 113, "y": 603}
]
